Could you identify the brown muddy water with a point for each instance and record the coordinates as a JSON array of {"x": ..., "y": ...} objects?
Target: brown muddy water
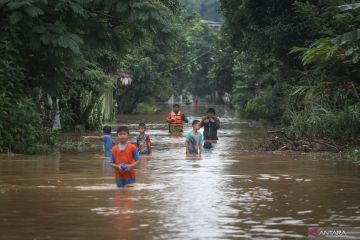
[{"x": 231, "y": 192}]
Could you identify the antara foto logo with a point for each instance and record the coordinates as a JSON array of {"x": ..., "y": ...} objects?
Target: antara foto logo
[{"x": 313, "y": 232}]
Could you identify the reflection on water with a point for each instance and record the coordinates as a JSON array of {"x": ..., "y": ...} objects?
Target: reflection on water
[{"x": 227, "y": 193}]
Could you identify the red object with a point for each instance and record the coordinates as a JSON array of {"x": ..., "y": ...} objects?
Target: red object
[
  {"x": 175, "y": 120},
  {"x": 126, "y": 157}
]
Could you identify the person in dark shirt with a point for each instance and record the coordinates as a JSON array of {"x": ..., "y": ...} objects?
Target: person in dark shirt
[{"x": 211, "y": 124}]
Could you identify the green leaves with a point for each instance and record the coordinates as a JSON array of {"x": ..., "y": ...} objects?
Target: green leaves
[
  {"x": 122, "y": 7},
  {"x": 321, "y": 51},
  {"x": 69, "y": 49},
  {"x": 346, "y": 37},
  {"x": 347, "y": 7},
  {"x": 33, "y": 11},
  {"x": 15, "y": 17},
  {"x": 71, "y": 41}
]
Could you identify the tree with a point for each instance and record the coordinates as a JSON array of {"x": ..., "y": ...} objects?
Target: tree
[{"x": 61, "y": 51}]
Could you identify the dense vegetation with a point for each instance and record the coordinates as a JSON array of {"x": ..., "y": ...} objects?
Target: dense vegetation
[
  {"x": 296, "y": 63},
  {"x": 208, "y": 9},
  {"x": 70, "y": 50}
]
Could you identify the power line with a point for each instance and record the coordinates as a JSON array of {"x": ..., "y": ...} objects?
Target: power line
[{"x": 183, "y": 65}]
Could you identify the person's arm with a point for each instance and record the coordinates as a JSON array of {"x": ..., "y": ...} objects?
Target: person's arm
[
  {"x": 136, "y": 162},
  {"x": 187, "y": 145},
  {"x": 201, "y": 141},
  {"x": 168, "y": 118},
  {"x": 184, "y": 118},
  {"x": 149, "y": 148},
  {"x": 113, "y": 165},
  {"x": 148, "y": 144},
  {"x": 205, "y": 121}
]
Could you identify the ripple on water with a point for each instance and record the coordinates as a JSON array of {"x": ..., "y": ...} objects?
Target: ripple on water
[
  {"x": 304, "y": 212},
  {"x": 109, "y": 211},
  {"x": 98, "y": 187},
  {"x": 46, "y": 186},
  {"x": 137, "y": 186}
]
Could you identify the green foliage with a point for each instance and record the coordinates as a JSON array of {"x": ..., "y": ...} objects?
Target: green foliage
[
  {"x": 21, "y": 126},
  {"x": 24, "y": 131},
  {"x": 352, "y": 155},
  {"x": 208, "y": 9},
  {"x": 147, "y": 108},
  {"x": 221, "y": 73},
  {"x": 69, "y": 50},
  {"x": 147, "y": 82},
  {"x": 200, "y": 50},
  {"x": 319, "y": 121},
  {"x": 257, "y": 91},
  {"x": 316, "y": 96}
]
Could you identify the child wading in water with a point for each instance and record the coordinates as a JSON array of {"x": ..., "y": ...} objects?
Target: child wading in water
[
  {"x": 194, "y": 139},
  {"x": 106, "y": 139},
  {"x": 125, "y": 157},
  {"x": 143, "y": 141}
]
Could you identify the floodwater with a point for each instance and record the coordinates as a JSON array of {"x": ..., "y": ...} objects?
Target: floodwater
[{"x": 231, "y": 192}]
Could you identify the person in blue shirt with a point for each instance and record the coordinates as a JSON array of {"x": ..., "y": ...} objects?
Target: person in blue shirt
[
  {"x": 106, "y": 139},
  {"x": 194, "y": 139},
  {"x": 143, "y": 141}
]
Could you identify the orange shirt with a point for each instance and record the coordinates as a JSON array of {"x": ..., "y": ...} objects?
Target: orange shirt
[{"x": 126, "y": 156}]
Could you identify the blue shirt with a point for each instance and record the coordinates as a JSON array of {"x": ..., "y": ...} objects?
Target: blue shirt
[
  {"x": 108, "y": 144},
  {"x": 194, "y": 140},
  {"x": 142, "y": 142}
]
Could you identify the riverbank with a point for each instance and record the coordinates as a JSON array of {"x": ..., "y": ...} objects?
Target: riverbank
[{"x": 278, "y": 141}]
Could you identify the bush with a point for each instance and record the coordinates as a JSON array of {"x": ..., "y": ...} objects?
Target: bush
[
  {"x": 352, "y": 155},
  {"x": 326, "y": 122},
  {"x": 21, "y": 130},
  {"x": 21, "y": 124},
  {"x": 147, "y": 108}
]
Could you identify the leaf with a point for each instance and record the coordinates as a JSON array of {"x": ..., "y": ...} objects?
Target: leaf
[
  {"x": 349, "y": 36},
  {"x": 15, "y": 17},
  {"x": 33, "y": 11},
  {"x": 4, "y": 2},
  {"x": 77, "y": 8},
  {"x": 39, "y": 29},
  {"x": 46, "y": 38},
  {"x": 346, "y": 7},
  {"x": 121, "y": 7},
  {"x": 18, "y": 4},
  {"x": 71, "y": 41}
]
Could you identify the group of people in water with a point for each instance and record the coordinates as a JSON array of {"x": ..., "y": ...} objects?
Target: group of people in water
[{"x": 124, "y": 156}]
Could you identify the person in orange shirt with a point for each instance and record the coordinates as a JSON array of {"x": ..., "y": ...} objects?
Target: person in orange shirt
[
  {"x": 125, "y": 157},
  {"x": 175, "y": 119}
]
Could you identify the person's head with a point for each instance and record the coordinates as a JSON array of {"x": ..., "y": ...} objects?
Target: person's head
[
  {"x": 107, "y": 130},
  {"x": 210, "y": 112},
  {"x": 207, "y": 145},
  {"x": 123, "y": 134},
  {"x": 196, "y": 125},
  {"x": 176, "y": 108},
  {"x": 142, "y": 128}
]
